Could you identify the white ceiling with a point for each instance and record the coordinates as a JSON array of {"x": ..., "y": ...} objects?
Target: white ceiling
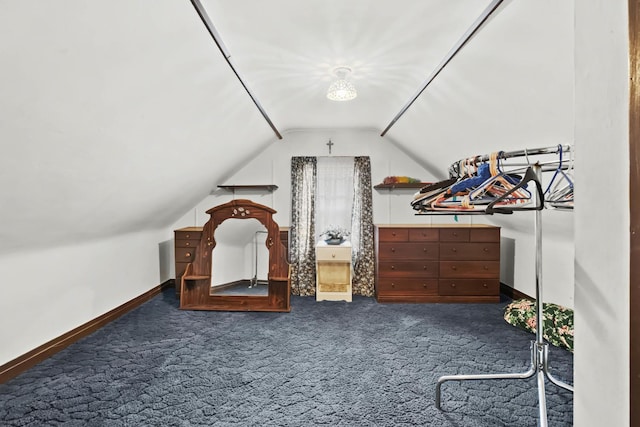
[{"x": 286, "y": 51}]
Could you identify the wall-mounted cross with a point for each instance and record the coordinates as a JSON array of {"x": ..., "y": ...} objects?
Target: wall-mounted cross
[{"x": 330, "y": 144}]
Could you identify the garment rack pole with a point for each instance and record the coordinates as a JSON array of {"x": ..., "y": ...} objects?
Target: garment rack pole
[
  {"x": 509, "y": 154},
  {"x": 539, "y": 349}
]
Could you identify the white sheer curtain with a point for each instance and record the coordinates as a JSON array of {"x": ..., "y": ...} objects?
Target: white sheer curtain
[{"x": 334, "y": 193}]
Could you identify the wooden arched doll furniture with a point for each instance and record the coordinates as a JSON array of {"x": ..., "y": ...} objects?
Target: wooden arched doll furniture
[{"x": 195, "y": 284}]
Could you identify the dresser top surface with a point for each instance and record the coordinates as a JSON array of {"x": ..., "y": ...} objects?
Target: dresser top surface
[
  {"x": 435, "y": 226},
  {"x": 189, "y": 229}
]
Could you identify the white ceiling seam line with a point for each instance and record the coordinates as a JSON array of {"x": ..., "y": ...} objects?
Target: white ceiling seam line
[
  {"x": 453, "y": 52},
  {"x": 227, "y": 56}
]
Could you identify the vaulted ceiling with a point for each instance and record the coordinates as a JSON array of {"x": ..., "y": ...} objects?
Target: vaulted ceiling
[
  {"x": 287, "y": 51},
  {"x": 119, "y": 115}
]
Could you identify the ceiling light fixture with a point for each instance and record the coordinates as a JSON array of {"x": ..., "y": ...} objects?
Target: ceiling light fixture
[{"x": 342, "y": 89}]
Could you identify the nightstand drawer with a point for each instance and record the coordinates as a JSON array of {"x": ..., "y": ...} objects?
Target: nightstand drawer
[
  {"x": 469, "y": 251},
  {"x": 403, "y": 251},
  {"x": 337, "y": 253},
  {"x": 469, "y": 287}
]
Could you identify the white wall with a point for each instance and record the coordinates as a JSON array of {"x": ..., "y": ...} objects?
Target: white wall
[
  {"x": 602, "y": 215},
  {"x": 234, "y": 255},
  {"x": 273, "y": 166},
  {"x": 49, "y": 292}
]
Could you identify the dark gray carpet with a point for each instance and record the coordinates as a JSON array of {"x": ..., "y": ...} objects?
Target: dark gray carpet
[{"x": 327, "y": 363}]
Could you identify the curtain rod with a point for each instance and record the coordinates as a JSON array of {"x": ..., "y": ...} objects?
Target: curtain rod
[
  {"x": 227, "y": 56},
  {"x": 453, "y": 52}
]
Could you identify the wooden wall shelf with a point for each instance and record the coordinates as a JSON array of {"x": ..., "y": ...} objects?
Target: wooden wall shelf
[
  {"x": 267, "y": 187},
  {"x": 401, "y": 185}
]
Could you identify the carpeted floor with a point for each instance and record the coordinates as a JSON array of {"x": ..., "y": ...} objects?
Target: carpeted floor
[{"x": 327, "y": 363}]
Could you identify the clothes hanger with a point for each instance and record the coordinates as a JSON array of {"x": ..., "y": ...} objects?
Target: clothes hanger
[
  {"x": 561, "y": 194},
  {"x": 499, "y": 185},
  {"x": 505, "y": 206}
]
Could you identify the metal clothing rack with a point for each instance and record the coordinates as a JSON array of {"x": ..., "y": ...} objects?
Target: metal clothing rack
[
  {"x": 455, "y": 172},
  {"x": 539, "y": 365}
]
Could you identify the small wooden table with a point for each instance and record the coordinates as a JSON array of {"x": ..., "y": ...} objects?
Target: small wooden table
[{"x": 333, "y": 272}]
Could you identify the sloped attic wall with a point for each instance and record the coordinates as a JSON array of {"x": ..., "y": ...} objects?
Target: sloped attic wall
[
  {"x": 114, "y": 120},
  {"x": 511, "y": 87}
]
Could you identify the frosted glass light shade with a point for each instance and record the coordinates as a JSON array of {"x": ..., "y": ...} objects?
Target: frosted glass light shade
[{"x": 341, "y": 90}]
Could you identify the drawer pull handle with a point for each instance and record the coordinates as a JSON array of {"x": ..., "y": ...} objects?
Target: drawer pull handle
[
  {"x": 455, "y": 234},
  {"x": 485, "y": 249},
  {"x": 454, "y": 268},
  {"x": 425, "y": 267},
  {"x": 393, "y": 249},
  {"x": 486, "y": 267},
  {"x": 454, "y": 250},
  {"x": 188, "y": 244},
  {"x": 425, "y": 250},
  {"x": 333, "y": 255},
  {"x": 485, "y": 285},
  {"x": 393, "y": 267},
  {"x": 424, "y": 285},
  {"x": 187, "y": 235},
  {"x": 393, "y": 285},
  {"x": 187, "y": 255},
  {"x": 393, "y": 234},
  {"x": 453, "y": 285}
]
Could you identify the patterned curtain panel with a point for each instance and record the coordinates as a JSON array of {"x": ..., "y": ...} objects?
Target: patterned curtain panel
[
  {"x": 302, "y": 230},
  {"x": 362, "y": 229}
]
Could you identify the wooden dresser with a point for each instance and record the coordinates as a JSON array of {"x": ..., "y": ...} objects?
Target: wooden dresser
[
  {"x": 186, "y": 241},
  {"x": 437, "y": 263}
]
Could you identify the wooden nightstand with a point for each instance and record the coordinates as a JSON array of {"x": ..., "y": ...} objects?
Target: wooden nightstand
[{"x": 333, "y": 272}]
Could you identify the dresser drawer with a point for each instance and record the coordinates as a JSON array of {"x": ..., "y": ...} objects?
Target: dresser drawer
[
  {"x": 188, "y": 235},
  {"x": 389, "y": 286},
  {"x": 469, "y": 251},
  {"x": 185, "y": 254},
  {"x": 454, "y": 234},
  {"x": 423, "y": 234},
  {"x": 184, "y": 243},
  {"x": 485, "y": 234},
  {"x": 337, "y": 253},
  {"x": 470, "y": 269},
  {"x": 408, "y": 269},
  {"x": 393, "y": 234},
  {"x": 469, "y": 287},
  {"x": 404, "y": 250}
]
